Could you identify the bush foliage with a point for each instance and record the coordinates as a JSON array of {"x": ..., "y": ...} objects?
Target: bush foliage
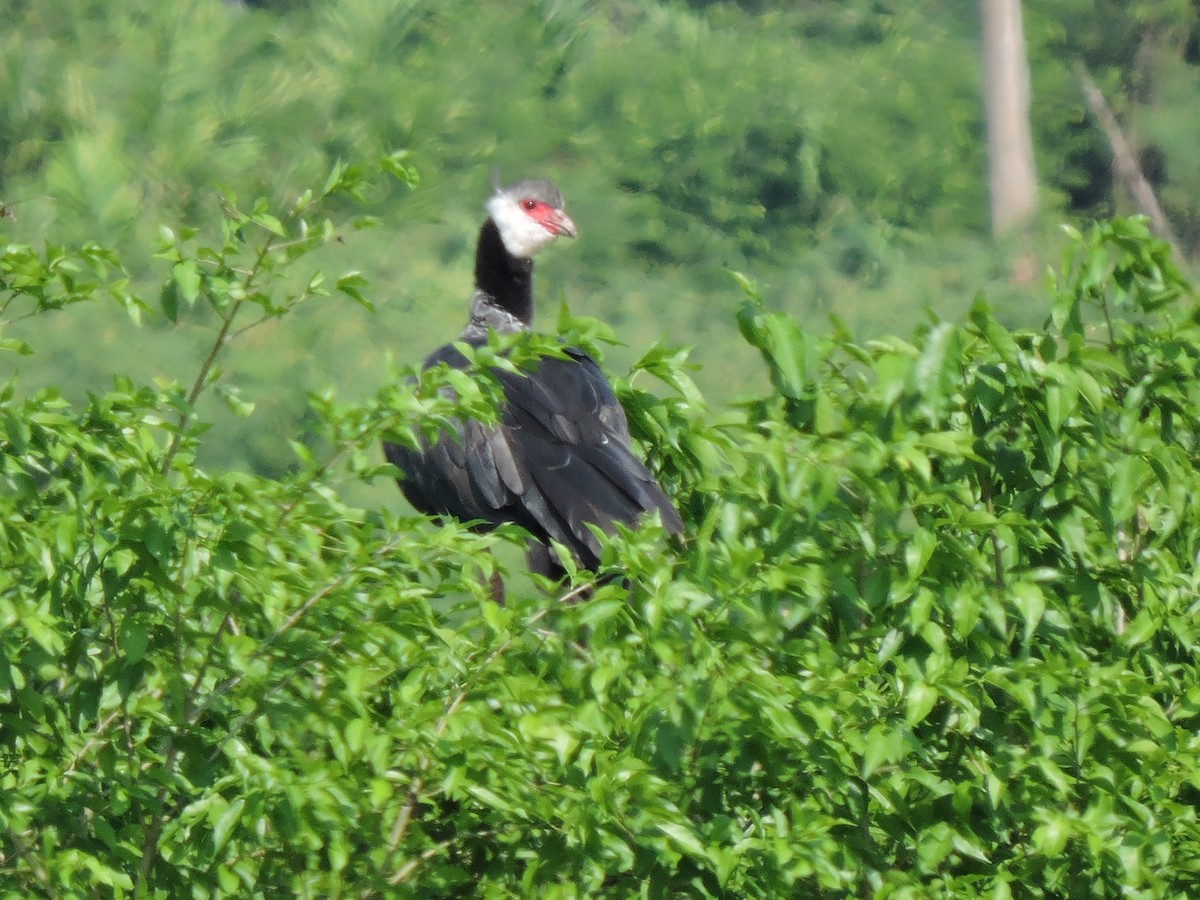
[{"x": 932, "y": 631}]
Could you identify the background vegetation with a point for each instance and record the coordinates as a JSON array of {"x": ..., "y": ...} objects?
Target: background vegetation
[
  {"x": 933, "y": 628},
  {"x": 932, "y": 631},
  {"x": 833, "y": 149}
]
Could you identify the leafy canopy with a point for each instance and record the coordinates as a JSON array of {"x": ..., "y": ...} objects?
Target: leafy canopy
[{"x": 932, "y": 632}]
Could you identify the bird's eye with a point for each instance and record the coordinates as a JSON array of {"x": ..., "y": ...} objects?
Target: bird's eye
[{"x": 530, "y": 205}]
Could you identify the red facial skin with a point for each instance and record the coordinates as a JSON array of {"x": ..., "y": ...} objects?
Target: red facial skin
[{"x": 553, "y": 220}]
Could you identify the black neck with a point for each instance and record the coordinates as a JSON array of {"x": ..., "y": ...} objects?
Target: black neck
[{"x": 507, "y": 280}]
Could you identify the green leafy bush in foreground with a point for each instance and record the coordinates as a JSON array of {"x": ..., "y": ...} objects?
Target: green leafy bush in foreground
[{"x": 932, "y": 633}]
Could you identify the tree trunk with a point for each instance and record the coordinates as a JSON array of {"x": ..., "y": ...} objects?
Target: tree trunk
[{"x": 1012, "y": 180}]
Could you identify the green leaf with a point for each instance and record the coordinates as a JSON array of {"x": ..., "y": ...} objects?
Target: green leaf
[
  {"x": 168, "y": 300},
  {"x": 919, "y": 702},
  {"x": 134, "y": 641},
  {"x": 351, "y": 284},
  {"x": 270, "y": 223},
  {"x": 186, "y": 276},
  {"x": 15, "y": 346},
  {"x": 884, "y": 745},
  {"x": 789, "y": 352},
  {"x": 225, "y": 822},
  {"x": 232, "y": 397},
  {"x": 684, "y": 839},
  {"x": 397, "y": 165},
  {"x": 1030, "y": 602},
  {"x": 489, "y": 798},
  {"x": 1143, "y": 627}
]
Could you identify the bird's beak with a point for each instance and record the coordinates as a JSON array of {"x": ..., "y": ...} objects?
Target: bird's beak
[{"x": 561, "y": 224}]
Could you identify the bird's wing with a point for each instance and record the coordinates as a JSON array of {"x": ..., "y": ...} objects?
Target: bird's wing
[{"x": 558, "y": 459}]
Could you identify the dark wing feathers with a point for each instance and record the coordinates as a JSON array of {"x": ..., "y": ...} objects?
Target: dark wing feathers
[{"x": 558, "y": 459}]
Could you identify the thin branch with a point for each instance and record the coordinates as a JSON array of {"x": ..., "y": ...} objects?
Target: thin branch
[
  {"x": 1112, "y": 331},
  {"x": 232, "y": 728},
  {"x": 288, "y": 508},
  {"x": 269, "y": 317},
  {"x": 210, "y": 360},
  {"x": 154, "y": 829},
  {"x": 36, "y": 311},
  {"x": 1128, "y": 171},
  {"x": 404, "y": 817},
  {"x": 577, "y": 591},
  {"x": 198, "y": 678},
  {"x": 997, "y": 554},
  {"x": 250, "y": 714},
  {"x": 33, "y": 862},
  {"x": 197, "y": 387},
  {"x": 409, "y": 867},
  {"x": 91, "y": 742},
  {"x": 157, "y": 821},
  {"x": 229, "y": 684},
  {"x": 986, "y": 495}
]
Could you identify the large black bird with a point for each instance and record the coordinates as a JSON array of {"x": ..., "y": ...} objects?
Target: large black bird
[{"x": 559, "y": 456}]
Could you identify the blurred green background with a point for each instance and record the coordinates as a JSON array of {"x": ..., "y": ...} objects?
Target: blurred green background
[{"x": 832, "y": 151}]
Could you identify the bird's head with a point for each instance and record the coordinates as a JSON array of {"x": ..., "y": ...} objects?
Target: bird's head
[{"x": 529, "y": 215}]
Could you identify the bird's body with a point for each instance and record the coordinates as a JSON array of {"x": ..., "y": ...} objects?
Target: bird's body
[{"x": 559, "y": 458}]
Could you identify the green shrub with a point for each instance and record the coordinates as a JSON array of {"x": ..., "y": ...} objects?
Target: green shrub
[{"x": 932, "y": 631}]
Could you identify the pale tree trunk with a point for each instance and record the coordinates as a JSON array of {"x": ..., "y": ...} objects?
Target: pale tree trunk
[{"x": 1012, "y": 180}]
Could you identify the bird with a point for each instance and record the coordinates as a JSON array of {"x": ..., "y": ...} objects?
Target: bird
[{"x": 559, "y": 457}]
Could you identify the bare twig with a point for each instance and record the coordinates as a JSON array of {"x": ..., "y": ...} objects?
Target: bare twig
[
  {"x": 35, "y": 865},
  {"x": 226, "y": 621},
  {"x": 985, "y": 494},
  {"x": 218, "y": 345},
  {"x": 231, "y": 729},
  {"x": 404, "y": 817},
  {"x": 578, "y": 591},
  {"x": 409, "y": 867},
  {"x": 91, "y": 742},
  {"x": 1128, "y": 170},
  {"x": 229, "y": 684}
]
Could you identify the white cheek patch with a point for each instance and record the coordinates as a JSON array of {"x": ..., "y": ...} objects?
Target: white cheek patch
[{"x": 523, "y": 237}]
